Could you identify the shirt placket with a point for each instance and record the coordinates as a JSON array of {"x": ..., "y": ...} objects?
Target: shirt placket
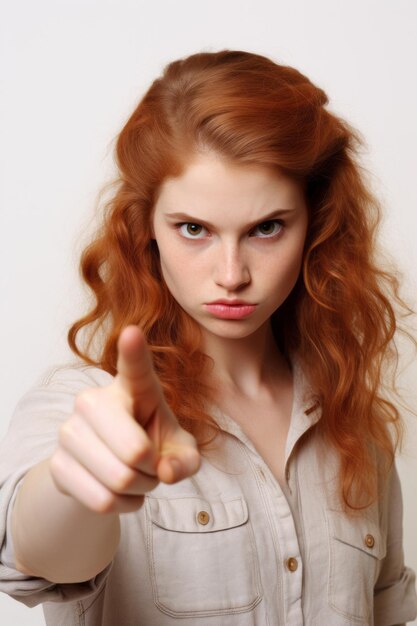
[
  {"x": 282, "y": 522},
  {"x": 285, "y": 539}
]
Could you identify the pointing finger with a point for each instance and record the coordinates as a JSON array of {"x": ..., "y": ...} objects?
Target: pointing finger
[{"x": 135, "y": 373}]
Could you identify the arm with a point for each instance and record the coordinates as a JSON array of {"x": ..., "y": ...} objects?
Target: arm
[
  {"x": 55, "y": 537},
  {"x": 118, "y": 443},
  {"x": 395, "y": 594}
]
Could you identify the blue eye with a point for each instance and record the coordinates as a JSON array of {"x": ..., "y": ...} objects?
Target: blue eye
[
  {"x": 270, "y": 228},
  {"x": 191, "y": 231}
]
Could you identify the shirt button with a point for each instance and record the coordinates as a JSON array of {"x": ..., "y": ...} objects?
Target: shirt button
[
  {"x": 203, "y": 517},
  {"x": 261, "y": 473},
  {"x": 369, "y": 541},
  {"x": 291, "y": 564}
]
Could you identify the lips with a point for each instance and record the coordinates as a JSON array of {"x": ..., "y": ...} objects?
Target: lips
[
  {"x": 230, "y": 309},
  {"x": 232, "y": 302}
]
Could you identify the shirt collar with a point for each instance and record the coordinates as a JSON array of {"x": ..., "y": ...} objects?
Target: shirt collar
[{"x": 306, "y": 412}]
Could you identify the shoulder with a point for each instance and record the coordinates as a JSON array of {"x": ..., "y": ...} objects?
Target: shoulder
[
  {"x": 73, "y": 374},
  {"x": 53, "y": 392},
  {"x": 38, "y": 414}
]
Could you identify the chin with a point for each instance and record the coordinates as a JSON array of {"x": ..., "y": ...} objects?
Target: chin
[{"x": 231, "y": 329}]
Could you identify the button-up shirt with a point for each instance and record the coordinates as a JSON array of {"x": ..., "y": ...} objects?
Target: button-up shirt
[{"x": 228, "y": 546}]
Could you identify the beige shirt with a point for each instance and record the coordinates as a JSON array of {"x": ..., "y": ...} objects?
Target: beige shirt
[{"x": 226, "y": 547}]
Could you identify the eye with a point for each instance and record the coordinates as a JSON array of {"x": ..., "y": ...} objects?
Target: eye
[
  {"x": 191, "y": 230},
  {"x": 269, "y": 228}
]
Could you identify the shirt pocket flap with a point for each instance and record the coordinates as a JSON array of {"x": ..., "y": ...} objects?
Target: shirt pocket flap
[
  {"x": 197, "y": 515},
  {"x": 359, "y": 532}
]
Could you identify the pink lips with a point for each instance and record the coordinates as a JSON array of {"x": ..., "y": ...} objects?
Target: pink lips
[{"x": 234, "y": 311}]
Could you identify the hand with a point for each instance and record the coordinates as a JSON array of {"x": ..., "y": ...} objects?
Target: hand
[{"x": 122, "y": 439}]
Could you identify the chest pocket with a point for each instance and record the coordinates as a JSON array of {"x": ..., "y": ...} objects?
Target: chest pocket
[
  {"x": 357, "y": 547},
  {"x": 202, "y": 556}
]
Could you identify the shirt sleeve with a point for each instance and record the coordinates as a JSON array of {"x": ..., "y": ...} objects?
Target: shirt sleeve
[
  {"x": 395, "y": 600},
  {"x": 7, "y": 555},
  {"x": 31, "y": 438}
]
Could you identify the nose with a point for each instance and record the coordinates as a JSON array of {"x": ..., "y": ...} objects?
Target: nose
[{"x": 231, "y": 268}]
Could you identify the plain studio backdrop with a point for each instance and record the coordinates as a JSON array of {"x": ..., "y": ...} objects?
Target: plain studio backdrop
[{"x": 72, "y": 71}]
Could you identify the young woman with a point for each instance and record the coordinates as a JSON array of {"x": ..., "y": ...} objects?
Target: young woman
[{"x": 222, "y": 451}]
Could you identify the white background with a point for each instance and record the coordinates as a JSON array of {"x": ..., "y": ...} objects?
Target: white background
[{"x": 71, "y": 72}]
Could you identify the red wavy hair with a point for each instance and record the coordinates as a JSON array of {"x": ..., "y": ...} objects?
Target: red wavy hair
[{"x": 339, "y": 318}]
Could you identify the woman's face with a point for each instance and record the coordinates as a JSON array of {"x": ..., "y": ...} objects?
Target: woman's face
[{"x": 227, "y": 232}]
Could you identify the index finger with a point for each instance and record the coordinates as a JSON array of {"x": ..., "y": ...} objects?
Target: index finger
[{"x": 135, "y": 373}]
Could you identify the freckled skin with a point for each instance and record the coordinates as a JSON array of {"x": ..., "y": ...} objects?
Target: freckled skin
[{"x": 259, "y": 264}]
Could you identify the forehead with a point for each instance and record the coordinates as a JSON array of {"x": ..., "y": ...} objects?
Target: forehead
[{"x": 211, "y": 186}]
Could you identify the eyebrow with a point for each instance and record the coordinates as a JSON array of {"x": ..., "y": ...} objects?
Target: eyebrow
[{"x": 197, "y": 220}]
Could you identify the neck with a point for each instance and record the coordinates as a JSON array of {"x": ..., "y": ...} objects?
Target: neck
[{"x": 246, "y": 365}]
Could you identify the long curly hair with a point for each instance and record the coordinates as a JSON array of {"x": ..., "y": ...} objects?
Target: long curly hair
[{"x": 339, "y": 318}]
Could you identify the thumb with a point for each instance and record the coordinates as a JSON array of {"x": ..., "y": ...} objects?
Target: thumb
[{"x": 179, "y": 453}]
